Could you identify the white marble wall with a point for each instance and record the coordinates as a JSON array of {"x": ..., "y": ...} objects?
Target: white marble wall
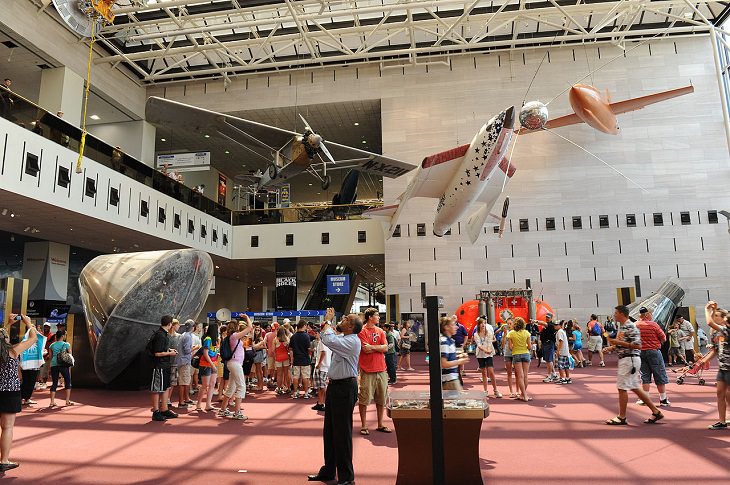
[{"x": 676, "y": 150}]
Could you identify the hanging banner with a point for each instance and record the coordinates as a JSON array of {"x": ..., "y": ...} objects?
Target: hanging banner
[
  {"x": 286, "y": 283},
  {"x": 183, "y": 159},
  {"x": 222, "y": 182},
  {"x": 45, "y": 264},
  {"x": 285, "y": 195}
]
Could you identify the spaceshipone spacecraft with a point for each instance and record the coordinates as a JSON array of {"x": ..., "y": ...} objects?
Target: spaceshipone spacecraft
[{"x": 124, "y": 296}]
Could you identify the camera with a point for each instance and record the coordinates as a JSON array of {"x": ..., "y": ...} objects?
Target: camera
[{"x": 18, "y": 318}]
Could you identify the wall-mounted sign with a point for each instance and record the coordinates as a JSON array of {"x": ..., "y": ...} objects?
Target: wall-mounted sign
[
  {"x": 183, "y": 159},
  {"x": 338, "y": 284},
  {"x": 285, "y": 195}
]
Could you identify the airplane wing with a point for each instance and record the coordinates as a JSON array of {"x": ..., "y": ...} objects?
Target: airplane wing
[
  {"x": 638, "y": 103},
  {"x": 368, "y": 161},
  {"x": 571, "y": 119},
  {"x": 263, "y": 140}
]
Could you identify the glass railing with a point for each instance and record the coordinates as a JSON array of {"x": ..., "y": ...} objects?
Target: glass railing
[
  {"x": 304, "y": 213},
  {"x": 27, "y": 114}
]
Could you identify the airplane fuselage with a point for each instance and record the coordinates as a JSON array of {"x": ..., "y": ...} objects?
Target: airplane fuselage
[
  {"x": 476, "y": 172},
  {"x": 590, "y": 106}
]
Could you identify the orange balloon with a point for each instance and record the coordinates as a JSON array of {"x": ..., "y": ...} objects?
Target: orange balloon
[{"x": 468, "y": 312}]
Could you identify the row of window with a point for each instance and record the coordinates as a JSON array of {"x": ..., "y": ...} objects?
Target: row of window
[
  {"x": 604, "y": 222},
  {"x": 289, "y": 239}
]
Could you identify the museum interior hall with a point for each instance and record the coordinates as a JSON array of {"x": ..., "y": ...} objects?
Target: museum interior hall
[{"x": 226, "y": 223}]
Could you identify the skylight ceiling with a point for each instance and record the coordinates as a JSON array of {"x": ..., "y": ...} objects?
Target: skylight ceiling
[{"x": 178, "y": 40}]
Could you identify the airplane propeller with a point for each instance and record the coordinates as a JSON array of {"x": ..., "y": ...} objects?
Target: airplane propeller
[{"x": 317, "y": 140}]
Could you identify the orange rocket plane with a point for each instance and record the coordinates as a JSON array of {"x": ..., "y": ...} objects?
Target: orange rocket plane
[{"x": 595, "y": 108}]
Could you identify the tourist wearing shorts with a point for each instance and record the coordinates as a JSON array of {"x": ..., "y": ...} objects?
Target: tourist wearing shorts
[
  {"x": 628, "y": 346},
  {"x": 719, "y": 320},
  {"x": 484, "y": 350},
  {"x": 507, "y": 353},
  {"x": 184, "y": 369},
  {"x": 299, "y": 345},
  {"x": 518, "y": 340},
  {"x": 236, "y": 387},
  {"x": 162, "y": 356},
  {"x": 547, "y": 342},
  {"x": 373, "y": 371},
  {"x": 563, "y": 363},
  {"x": 322, "y": 359},
  {"x": 595, "y": 340},
  {"x": 652, "y": 361}
]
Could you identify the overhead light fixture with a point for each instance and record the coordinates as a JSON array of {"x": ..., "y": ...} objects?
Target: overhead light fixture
[
  {"x": 12, "y": 214},
  {"x": 310, "y": 185},
  {"x": 34, "y": 230},
  {"x": 227, "y": 152},
  {"x": 94, "y": 117},
  {"x": 70, "y": 228},
  {"x": 217, "y": 267},
  {"x": 207, "y": 136},
  {"x": 364, "y": 142},
  {"x": 4, "y": 212},
  {"x": 26, "y": 229},
  {"x": 163, "y": 139},
  {"x": 357, "y": 124}
]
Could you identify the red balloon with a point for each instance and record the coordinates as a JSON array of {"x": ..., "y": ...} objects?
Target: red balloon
[{"x": 468, "y": 312}]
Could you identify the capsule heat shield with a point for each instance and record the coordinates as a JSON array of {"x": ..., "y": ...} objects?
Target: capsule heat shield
[{"x": 125, "y": 295}]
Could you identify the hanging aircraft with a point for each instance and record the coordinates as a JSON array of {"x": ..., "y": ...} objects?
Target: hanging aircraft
[
  {"x": 285, "y": 152},
  {"x": 464, "y": 179}
]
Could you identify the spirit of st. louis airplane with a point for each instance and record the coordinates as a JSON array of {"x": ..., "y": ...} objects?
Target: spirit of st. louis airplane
[{"x": 466, "y": 180}]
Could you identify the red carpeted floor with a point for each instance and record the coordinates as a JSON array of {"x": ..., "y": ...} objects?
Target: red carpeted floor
[{"x": 560, "y": 436}]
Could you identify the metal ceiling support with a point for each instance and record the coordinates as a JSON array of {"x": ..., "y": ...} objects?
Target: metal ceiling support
[{"x": 301, "y": 33}]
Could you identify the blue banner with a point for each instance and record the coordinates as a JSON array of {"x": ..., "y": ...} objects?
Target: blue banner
[{"x": 338, "y": 284}]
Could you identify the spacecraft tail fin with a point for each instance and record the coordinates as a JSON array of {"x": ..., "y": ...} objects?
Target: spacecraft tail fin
[
  {"x": 476, "y": 221},
  {"x": 388, "y": 214}
]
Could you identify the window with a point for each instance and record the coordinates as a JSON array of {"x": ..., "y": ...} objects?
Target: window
[
  {"x": 31, "y": 164},
  {"x": 658, "y": 219},
  {"x": 64, "y": 178},
  {"x": 496, "y": 229},
  {"x": 254, "y": 241},
  {"x": 113, "y": 196},
  {"x": 290, "y": 239},
  {"x": 550, "y": 224},
  {"x": 203, "y": 231},
  {"x": 603, "y": 221},
  {"x": 396, "y": 231},
  {"x": 215, "y": 235},
  {"x": 712, "y": 217},
  {"x": 420, "y": 229},
  {"x": 144, "y": 209},
  {"x": 161, "y": 215},
  {"x": 524, "y": 225},
  {"x": 191, "y": 226},
  {"x": 176, "y": 221},
  {"x": 684, "y": 218},
  {"x": 90, "y": 187},
  {"x": 361, "y": 236},
  {"x": 577, "y": 222},
  {"x": 225, "y": 239},
  {"x": 325, "y": 238},
  {"x": 630, "y": 220}
]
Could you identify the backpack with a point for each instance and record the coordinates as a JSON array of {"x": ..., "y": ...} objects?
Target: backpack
[
  {"x": 226, "y": 352},
  {"x": 149, "y": 350},
  {"x": 596, "y": 330}
]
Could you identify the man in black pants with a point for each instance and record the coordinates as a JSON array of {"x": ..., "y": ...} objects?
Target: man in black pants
[{"x": 341, "y": 398}]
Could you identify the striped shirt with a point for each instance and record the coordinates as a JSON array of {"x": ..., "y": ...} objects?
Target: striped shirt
[
  {"x": 448, "y": 350},
  {"x": 652, "y": 336}
]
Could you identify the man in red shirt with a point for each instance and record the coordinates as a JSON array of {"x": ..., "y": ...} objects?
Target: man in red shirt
[
  {"x": 373, "y": 375},
  {"x": 652, "y": 361}
]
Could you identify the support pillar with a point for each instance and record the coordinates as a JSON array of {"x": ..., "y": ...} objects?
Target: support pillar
[{"x": 62, "y": 90}]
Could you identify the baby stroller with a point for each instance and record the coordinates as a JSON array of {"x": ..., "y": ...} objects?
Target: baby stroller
[{"x": 695, "y": 370}]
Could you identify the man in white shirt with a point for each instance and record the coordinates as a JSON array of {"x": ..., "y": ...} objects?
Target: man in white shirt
[
  {"x": 563, "y": 363},
  {"x": 323, "y": 356}
]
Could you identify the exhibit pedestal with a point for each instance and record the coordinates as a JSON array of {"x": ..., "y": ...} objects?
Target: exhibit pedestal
[{"x": 463, "y": 416}]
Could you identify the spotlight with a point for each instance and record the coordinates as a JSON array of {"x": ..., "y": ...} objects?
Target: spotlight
[
  {"x": 4, "y": 212},
  {"x": 35, "y": 230},
  {"x": 26, "y": 229},
  {"x": 12, "y": 214}
]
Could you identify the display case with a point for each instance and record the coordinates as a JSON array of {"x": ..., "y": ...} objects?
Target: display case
[{"x": 463, "y": 413}]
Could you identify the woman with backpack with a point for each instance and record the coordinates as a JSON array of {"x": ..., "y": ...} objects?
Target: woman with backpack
[
  {"x": 59, "y": 367},
  {"x": 208, "y": 367},
  {"x": 232, "y": 352}
]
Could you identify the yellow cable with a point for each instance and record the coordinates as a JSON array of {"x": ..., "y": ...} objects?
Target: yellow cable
[{"x": 86, "y": 95}]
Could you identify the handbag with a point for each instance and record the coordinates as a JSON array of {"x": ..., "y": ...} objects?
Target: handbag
[
  {"x": 64, "y": 359},
  {"x": 195, "y": 362}
]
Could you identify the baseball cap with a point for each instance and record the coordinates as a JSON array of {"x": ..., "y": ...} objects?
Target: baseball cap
[
  {"x": 46, "y": 324},
  {"x": 286, "y": 320},
  {"x": 643, "y": 310},
  {"x": 557, "y": 322},
  {"x": 549, "y": 315}
]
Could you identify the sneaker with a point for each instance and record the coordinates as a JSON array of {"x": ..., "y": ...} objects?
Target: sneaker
[
  {"x": 158, "y": 416},
  {"x": 240, "y": 416},
  {"x": 224, "y": 413},
  {"x": 182, "y": 405},
  {"x": 169, "y": 414},
  {"x": 602, "y": 364},
  {"x": 318, "y": 407},
  {"x": 549, "y": 379},
  {"x": 665, "y": 403},
  {"x": 718, "y": 425},
  {"x": 307, "y": 395},
  {"x": 640, "y": 402},
  {"x": 567, "y": 380}
]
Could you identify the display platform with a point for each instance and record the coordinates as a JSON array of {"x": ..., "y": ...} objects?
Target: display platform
[{"x": 464, "y": 412}]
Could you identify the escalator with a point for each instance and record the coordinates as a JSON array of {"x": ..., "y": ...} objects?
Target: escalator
[{"x": 318, "y": 299}]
